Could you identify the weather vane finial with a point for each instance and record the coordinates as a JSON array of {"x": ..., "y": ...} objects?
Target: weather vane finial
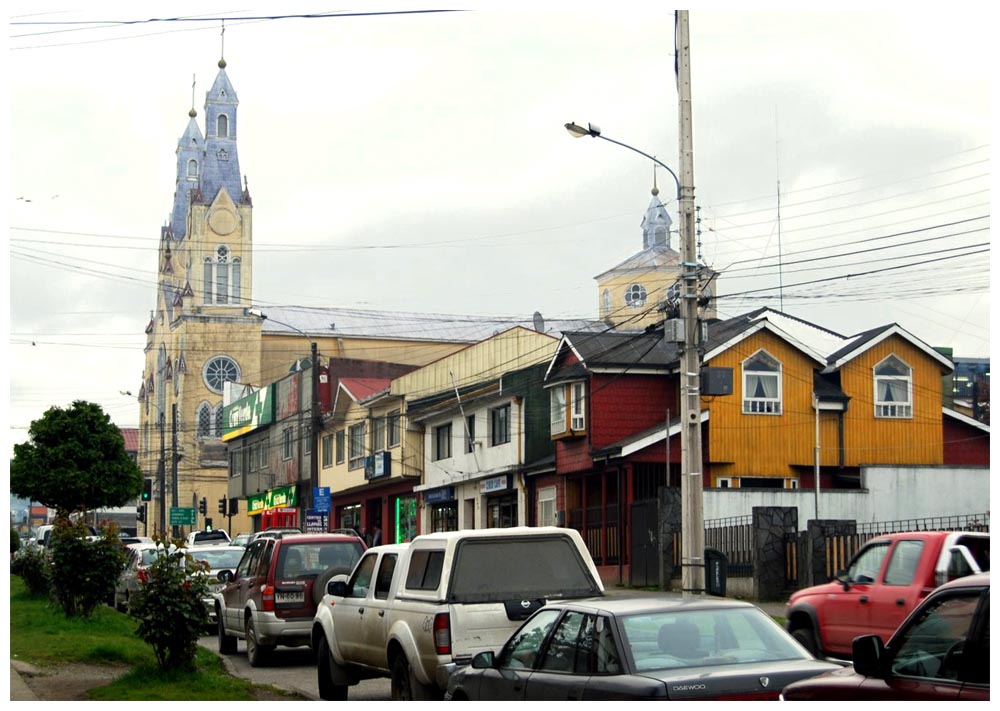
[{"x": 222, "y": 56}]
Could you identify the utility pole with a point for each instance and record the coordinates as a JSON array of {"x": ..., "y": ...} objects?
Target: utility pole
[
  {"x": 173, "y": 468},
  {"x": 163, "y": 476},
  {"x": 313, "y": 428},
  {"x": 692, "y": 513}
]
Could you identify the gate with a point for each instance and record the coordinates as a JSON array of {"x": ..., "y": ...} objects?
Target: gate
[{"x": 645, "y": 559}]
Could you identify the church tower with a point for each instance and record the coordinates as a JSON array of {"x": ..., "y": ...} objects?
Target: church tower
[
  {"x": 200, "y": 337},
  {"x": 631, "y": 293}
]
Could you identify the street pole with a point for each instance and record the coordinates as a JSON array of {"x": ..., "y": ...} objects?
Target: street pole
[
  {"x": 173, "y": 467},
  {"x": 313, "y": 427},
  {"x": 692, "y": 514},
  {"x": 163, "y": 476}
]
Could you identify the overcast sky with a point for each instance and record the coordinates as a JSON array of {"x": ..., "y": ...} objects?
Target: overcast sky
[{"x": 418, "y": 162}]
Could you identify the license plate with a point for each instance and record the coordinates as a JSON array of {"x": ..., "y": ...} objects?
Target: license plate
[{"x": 290, "y": 596}]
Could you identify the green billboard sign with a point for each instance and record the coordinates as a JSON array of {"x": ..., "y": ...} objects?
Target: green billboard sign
[
  {"x": 184, "y": 516},
  {"x": 248, "y": 413}
]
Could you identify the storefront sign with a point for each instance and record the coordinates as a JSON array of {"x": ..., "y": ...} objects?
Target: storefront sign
[
  {"x": 436, "y": 496},
  {"x": 248, "y": 413},
  {"x": 281, "y": 497},
  {"x": 377, "y": 465},
  {"x": 256, "y": 504},
  {"x": 499, "y": 483},
  {"x": 321, "y": 499}
]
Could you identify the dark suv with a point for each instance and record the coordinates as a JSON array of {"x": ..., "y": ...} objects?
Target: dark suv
[{"x": 271, "y": 598}]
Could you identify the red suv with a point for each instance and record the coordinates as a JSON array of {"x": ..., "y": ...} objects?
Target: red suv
[
  {"x": 271, "y": 597},
  {"x": 888, "y": 577}
]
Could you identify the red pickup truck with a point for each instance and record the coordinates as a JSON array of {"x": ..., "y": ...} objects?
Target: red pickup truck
[{"x": 884, "y": 582}]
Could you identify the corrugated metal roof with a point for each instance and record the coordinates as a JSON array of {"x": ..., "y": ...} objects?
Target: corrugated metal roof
[
  {"x": 402, "y": 325},
  {"x": 360, "y": 388},
  {"x": 131, "y": 437}
]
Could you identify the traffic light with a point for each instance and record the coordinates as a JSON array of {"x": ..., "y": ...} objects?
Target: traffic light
[
  {"x": 140, "y": 513},
  {"x": 234, "y": 507},
  {"x": 203, "y": 506},
  {"x": 147, "y": 489},
  {"x": 222, "y": 506}
]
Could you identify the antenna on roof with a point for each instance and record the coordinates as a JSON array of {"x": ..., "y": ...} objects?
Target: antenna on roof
[{"x": 538, "y": 322}]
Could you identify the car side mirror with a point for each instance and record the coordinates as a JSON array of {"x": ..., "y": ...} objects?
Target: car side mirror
[
  {"x": 841, "y": 577},
  {"x": 483, "y": 660},
  {"x": 866, "y": 655},
  {"x": 337, "y": 587},
  {"x": 225, "y": 576}
]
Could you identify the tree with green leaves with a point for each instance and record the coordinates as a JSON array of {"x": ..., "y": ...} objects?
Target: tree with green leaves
[{"x": 74, "y": 461}]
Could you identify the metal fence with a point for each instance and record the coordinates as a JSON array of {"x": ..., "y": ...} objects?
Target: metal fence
[
  {"x": 841, "y": 547},
  {"x": 733, "y": 537}
]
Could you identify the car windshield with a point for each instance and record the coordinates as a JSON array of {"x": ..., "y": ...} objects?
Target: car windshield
[
  {"x": 217, "y": 558},
  {"x": 151, "y": 554},
  {"x": 309, "y": 559},
  {"x": 711, "y": 637}
]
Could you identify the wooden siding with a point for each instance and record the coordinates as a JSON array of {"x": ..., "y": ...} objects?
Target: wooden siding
[
  {"x": 621, "y": 405},
  {"x": 913, "y": 440},
  {"x": 965, "y": 445},
  {"x": 766, "y": 445},
  {"x": 487, "y": 360}
]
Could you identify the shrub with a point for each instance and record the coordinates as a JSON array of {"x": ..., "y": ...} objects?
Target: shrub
[
  {"x": 170, "y": 607},
  {"x": 15, "y": 541},
  {"x": 33, "y": 567},
  {"x": 84, "y": 572}
]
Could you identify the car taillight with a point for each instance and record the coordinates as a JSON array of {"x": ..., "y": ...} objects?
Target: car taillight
[
  {"x": 267, "y": 598},
  {"x": 442, "y": 633}
]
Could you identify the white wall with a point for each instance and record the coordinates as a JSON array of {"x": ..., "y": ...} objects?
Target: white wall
[{"x": 888, "y": 494}]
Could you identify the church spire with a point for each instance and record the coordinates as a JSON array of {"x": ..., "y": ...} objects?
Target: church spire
[{"x": 656, "y": 222}]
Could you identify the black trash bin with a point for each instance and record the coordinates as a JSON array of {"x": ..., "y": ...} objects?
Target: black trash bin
[{"x": 716, "y": 565}]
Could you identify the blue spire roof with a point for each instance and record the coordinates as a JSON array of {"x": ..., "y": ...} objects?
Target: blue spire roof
[
  {"x": 656, "y": 224},
  {"x": 207, "y": 164}
]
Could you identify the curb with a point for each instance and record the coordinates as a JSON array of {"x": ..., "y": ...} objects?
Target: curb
[{"x": 19, "y": 689}]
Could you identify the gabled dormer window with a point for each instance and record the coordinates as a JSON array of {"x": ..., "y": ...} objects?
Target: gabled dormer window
[
  {"x": 761, "y": 385},
  {"x": 893, "y": 388},
  {"x": 568, "y": 409}
]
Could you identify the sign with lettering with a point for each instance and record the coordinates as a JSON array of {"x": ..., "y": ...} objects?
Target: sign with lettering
[
  {"x": 498, "y": 483},
  {"x": 256, "y": 504},
  {"x": 436, "y": 496},
  {"x": 284, "y": 496},
  {"x": 248, "y": 413},
  {"x": 184, "y": 516},
  {"x": 377, "y": 465}
]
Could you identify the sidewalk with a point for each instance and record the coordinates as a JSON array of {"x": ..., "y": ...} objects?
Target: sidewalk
[{"x": 19, "y": 691}]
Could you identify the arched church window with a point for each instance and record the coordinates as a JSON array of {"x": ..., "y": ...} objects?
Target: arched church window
[
  {"x": 606, "y": 301},
  {"x": 204, "y": 420},
  {"x": 222, "y": 125},
  {"x": 660, "y": 235},
  {"x": 218, "y": 420},
  {"x": 222, "y": 275},
  {"x": 235, "y": 273},
  {"x": 192, "y": 169},
  {"x": 161, "y": 365}
]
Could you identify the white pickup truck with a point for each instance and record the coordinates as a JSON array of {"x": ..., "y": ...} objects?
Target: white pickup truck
[{"x": 416, "y": 611}]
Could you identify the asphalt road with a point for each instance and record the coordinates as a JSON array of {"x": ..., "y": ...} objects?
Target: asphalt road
[{"x": 293, "y": 669}]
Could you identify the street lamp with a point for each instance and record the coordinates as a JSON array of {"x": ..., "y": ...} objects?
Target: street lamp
[
  {"x": 692, "y": 506},
  {"x": 314, "y": 409}
]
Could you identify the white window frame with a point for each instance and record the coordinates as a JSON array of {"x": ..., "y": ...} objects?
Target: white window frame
[
  {"x": 327, "y": 451},
  {"x": 557, "y": 409},
  {"x": 546, "y": 503},
  {"x": 578, "y": 407},
  {"x": 442, "y": 442},
  {"x": 725, "y": 482},
  {"x": 893, "y": 409},
  {"x": 286, "y": 444},
  {"x": 766, "y": 405},
  {"x": 356, "y": 446}
]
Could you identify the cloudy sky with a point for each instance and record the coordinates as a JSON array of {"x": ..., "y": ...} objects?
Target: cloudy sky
[{"x": 418, "y": 162}]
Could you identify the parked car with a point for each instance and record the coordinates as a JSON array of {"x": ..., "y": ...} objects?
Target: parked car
[
  {"x": 132, "y": 540},
  {"x": 140, "y": 556},
  {"x": 271, "y": 597},
  {"x": 215, "y": 537},
  {"x": 218, "y": 559},
  {"x": 669, "y": 648},
  {"x": 415, "y": 612},
  {"x": 883, "y": 583},
  {"x": 242, "y": 539},
  {"x": 940, "y": 653},
  {"x": 273, "y": 533}
]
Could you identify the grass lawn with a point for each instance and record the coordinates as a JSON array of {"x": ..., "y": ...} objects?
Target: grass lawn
[{"x": 41, "y": 635}]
